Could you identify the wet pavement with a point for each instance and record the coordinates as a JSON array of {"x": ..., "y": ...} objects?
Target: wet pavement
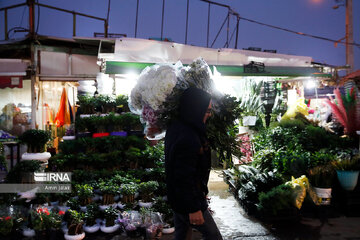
[
  {"x": 235, "y": 224},
  {"x": 231, "y": 219}
]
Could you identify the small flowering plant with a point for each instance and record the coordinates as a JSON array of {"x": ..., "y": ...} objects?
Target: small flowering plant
[
  {"x": 42, "y": 219},
  {"x": 6, "y": 224}
]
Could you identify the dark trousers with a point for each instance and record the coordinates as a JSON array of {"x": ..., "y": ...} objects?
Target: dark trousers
[{"x": 209, "y": 229}]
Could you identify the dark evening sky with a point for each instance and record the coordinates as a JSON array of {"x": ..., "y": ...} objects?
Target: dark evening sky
[{"x": 315, "y": 17}]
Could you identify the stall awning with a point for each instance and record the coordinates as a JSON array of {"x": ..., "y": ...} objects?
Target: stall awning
[{"x": 116, "y": 67}]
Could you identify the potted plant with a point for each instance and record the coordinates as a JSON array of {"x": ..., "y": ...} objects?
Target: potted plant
[
  {"x": 147, "y": 190},
  {"x": 128, "y": 191},
  {"x": 41, "y": 222},
  {"x": 6, "y": 224},
  {"x": 91, "y": 225},
  {"x": 161, "y": 206},
  {"x": 35, "y": 140},
  {"x": 132, "y": 156},
  {"x": 110, "y": 225},
  {"x": 75, "y": 226},
  {"x": 322, "y": 178},
  {"x": 347, "y": 170},
  {"x": 109, "y": 190},
  {"x": 85, "y": 194}
]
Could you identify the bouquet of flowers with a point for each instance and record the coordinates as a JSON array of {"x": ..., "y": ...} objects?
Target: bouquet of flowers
[{"x": 156, "y": 95}]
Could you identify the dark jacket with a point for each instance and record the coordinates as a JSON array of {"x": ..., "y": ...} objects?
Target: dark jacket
[{"x": 187, "y": 156}]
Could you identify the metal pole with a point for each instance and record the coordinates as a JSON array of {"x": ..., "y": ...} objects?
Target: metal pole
[
  {"x": 106, "y": 27},
  {"x": 6, "y": 25},
  {"x": 349, "y": 37},
  {"x": 208, "y": 27},
  {"x": 227, "y": 29},
  {"x": 137, "y": 14},
  {"x": 162, "y": 20},
  {"x": 237, "y": 31},
  {"x": 187, "y": 19},
  {"x": 74, "y": 24},
  {"x": 31, "y": 18},
  {"x": 106, "y": 23}
]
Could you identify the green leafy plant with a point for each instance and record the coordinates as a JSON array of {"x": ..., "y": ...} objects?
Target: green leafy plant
[
  {"x": 222, "y": 130},
  {"x": 277, "y": 202},
  {"x": 347, "y": 164},
  {"x": 74, "y": 222},
  {"x": 18, "y": 174},
  {"x": 128, "y": 191},
  {"x": 109, "y": 190},
  {"x": 92, "y": 212},
  {"x": 147, "y": 190},
  {"x": 110, "y": 215},
  {"x": 35, "y": 140},
  {"x": 322, "y": 176},
  {"x": 85, "y": 192}
]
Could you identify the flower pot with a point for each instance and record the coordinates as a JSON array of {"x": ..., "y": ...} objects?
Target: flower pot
[
  {"x": 67, "y": 138},
  {"x": 92, "y": 229},
  {"x": 110, "y": 229},
  {"x": 145, "y": 204},
  {"x": 103, "y": 134},
  {"x": 324, "y": 195},
  {"x": 74, "y": 237},
  {"x": 55, "y": 234},
  {"x": 43, "y": 157},
  {"x": 27, "y": 232},
  {"x": 120, "y": 205},
  {"x": 169, "y": 230},
  {"x": 41, "y": 235},
  {"x": 348, "y": 179},
  {"x": 119, "y": 134}
]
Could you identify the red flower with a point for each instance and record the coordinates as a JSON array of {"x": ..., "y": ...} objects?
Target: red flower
[
  {"x": 61, "y": 212},
  {"x": 7, "y": 218},
  {"x": 39, "y": 210}
]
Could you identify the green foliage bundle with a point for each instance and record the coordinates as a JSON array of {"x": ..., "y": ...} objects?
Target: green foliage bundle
[
  {"x": 74, "y": 222},
  {"x": 35, "y": 139},
  {"x": 92, "y": 212},
  {"x": 350, "y": 164},
  {"x": 17, "y": 173},
  {"x": 222, "y": 130},
  {"x": 110, "y": 215},
  {"x": 322, "y": 176},
  {"x": 250, "y": 182},
  {"x": 278, "y": 200},
  {"x": 111, "y": 122}
]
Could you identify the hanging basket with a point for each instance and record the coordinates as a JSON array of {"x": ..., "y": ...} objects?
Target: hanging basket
[{"x": 348, "y": 179}]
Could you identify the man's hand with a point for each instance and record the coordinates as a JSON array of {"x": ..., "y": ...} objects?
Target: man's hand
[{"x": 196, "y": 218}]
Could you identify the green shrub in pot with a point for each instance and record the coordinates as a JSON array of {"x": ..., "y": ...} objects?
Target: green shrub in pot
[{"x": 35, "y": 140}]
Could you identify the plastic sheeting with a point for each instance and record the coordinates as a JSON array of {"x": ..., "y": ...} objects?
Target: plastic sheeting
[{"x": 151, "y": 51}]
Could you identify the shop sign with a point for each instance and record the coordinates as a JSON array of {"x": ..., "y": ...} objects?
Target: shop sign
[{"x": 11, "y": 81}]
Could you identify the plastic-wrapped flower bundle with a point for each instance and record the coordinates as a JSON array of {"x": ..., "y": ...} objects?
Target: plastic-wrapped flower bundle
[{"x": 156, "y": 95}]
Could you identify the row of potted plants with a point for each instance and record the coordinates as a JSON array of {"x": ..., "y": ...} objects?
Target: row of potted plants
[
  {"x": 109, "y": 123},
  {"x": 103, "y": 104},
  {"x": 293, "y": 147}
]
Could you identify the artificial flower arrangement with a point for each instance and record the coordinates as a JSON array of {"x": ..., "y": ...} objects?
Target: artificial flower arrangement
[{"x": 156, "y": 95}]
